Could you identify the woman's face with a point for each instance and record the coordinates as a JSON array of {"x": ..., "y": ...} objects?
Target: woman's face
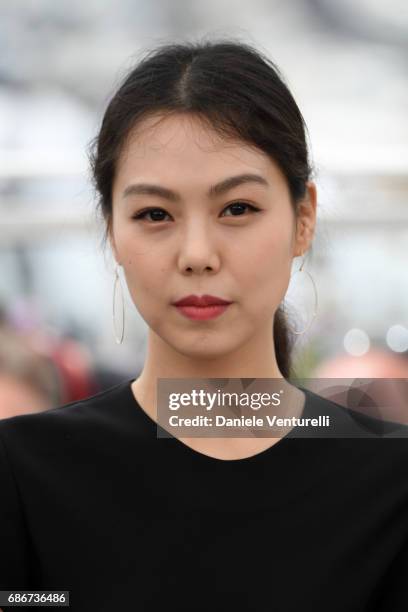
[{"x": 194, "y": 242}]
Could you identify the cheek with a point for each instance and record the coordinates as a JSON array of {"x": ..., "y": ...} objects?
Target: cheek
[
  {"x": 263, "y": 272},
  {"x": 268, "y": 259},
  {"x": 145, "y": 278},
  {"x": 144, "y": 288}
]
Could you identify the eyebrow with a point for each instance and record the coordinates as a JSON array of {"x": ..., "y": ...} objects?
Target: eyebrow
[{"x": 215, "y": 190}]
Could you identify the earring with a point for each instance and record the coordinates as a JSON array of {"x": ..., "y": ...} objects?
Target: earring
[
  {"x": 118, "y": 340},
  {"x": 315, "y": 304}
]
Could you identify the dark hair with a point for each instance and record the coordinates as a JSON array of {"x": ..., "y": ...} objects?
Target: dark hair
[{"x": 232, "y": 87}]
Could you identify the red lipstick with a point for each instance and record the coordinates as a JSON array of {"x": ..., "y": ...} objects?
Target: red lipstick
[
  {"x": 204, "y": 300},
  {"x": 201, "y": 307}
]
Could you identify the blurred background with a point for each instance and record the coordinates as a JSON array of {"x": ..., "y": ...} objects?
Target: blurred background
[{"x": 346, "y": 65}]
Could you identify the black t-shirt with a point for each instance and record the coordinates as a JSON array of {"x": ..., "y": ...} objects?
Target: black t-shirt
[{"x": 94, "y": 503}]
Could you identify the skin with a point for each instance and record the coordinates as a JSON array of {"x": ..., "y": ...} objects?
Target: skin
[
  {"x": 18, "y": 397},
  {"x": 199, "y": 245}
]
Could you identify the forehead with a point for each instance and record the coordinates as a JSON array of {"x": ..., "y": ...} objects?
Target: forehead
[{"x": 183, "y": 144}]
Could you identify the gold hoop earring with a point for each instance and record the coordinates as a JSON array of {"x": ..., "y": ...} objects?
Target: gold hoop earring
[
  {"x": 298, "y": 333},
  {"x": 117, "y": 278}
]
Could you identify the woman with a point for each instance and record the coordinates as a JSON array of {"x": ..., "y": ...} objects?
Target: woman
[{"x": 202, "y": 169}]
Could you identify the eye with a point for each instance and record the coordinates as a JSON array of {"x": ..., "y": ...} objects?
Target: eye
[
  {"x": 236, "y": 206},
  {"x": 239, "y": 205},
  {"x": 149, "y": 211}
]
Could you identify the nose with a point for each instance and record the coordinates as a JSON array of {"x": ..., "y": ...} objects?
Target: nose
[{"x": 198, "y": 252}]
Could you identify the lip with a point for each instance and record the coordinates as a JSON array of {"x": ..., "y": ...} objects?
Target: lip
[
  {"x": 201, "y": 301},
  {"x": 202, "y": 313}
]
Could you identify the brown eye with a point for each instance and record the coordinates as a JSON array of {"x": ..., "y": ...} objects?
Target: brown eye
[
  {"x": 238, "y": 206},
  {"x": 156, "y": 214},
  {"x": 153, "y": 212}
]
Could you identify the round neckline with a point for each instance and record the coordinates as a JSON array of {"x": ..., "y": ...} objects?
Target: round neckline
[{"x": 275, "y": 448}]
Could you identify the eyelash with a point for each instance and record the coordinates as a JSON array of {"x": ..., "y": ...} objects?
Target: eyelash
[{"x": 141, "y": 215}]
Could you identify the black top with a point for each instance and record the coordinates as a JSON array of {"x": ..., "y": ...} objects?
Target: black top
[{"x": 93, "y": 502}]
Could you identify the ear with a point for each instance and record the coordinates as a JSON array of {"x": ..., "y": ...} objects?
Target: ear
[{"x": 306, "y": 220}]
